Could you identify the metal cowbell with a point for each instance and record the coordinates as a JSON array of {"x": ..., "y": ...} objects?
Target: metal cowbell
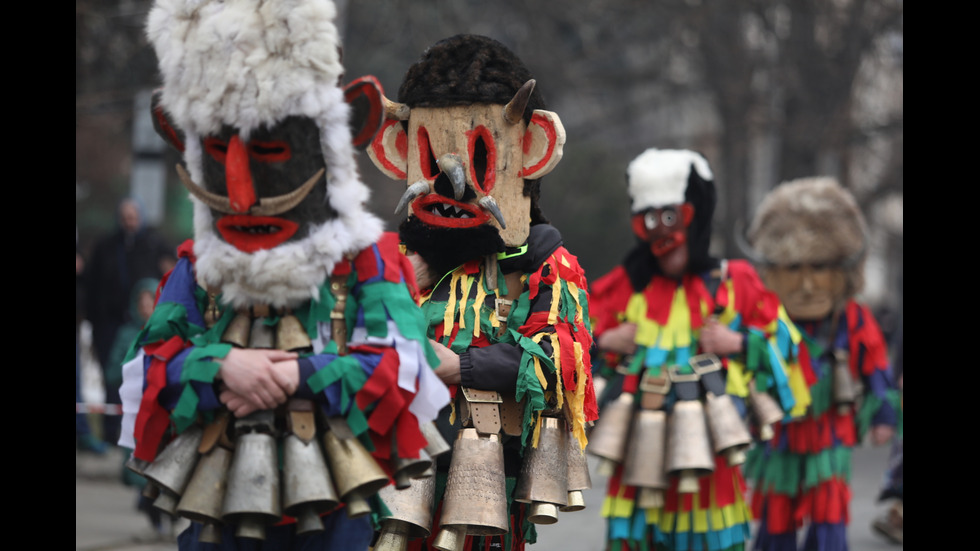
[
  {"x": 411, "y": 514},
  {"x": 579, "y": 478},
  {"x": 203, "y": 499},
  {"x": 766, "y": 411},
  {"x": 689, "y": 453},
  {"x": 645, "y": 466},
  {"x": 543, "y": 482},
  {"x": 356, "y": 475},
  {"x": 729, "y": 435},
  {"x": 173, "y": 467},
  {"x": 607, "y": 441},
  {"x": 252, "y": 498},
  {"x": 307, "y": 489},
  {"x": 475, "y": 500}
]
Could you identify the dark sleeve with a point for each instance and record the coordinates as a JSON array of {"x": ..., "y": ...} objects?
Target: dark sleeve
[{"x": 495, "y": 367}]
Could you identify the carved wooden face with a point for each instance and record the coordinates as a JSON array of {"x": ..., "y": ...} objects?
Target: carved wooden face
[
  {"x": 807, "y": 291},
  {"x": 468, "y": 164}
]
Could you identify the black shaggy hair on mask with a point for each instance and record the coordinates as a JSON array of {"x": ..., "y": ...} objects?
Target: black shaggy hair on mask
[
  {"x": 445, "y": 249},
  {"x": 641, "y": 264},
  {"x": 467, "y": 69}
]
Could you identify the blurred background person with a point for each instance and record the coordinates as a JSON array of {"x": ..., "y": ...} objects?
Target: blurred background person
[
  {"x": 84, "y": 439},
  {"x": 810, "y": 242},
  {"x": 131, "y": 252}
]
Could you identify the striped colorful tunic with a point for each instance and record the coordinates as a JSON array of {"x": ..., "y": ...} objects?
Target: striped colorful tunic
[
  {"x": 669, "y": 315},
  {"x": 801, "y": 476}
]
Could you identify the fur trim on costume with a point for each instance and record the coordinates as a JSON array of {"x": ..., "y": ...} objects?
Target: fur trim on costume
[
  {"x": 244, "y": 63},
  {"x": 808, "y": 221},
  {"x": 658, "y": 177},
  {"x": 286, "y": 275}
]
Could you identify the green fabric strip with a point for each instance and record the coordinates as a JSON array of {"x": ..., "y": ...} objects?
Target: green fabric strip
[{"x": 198, "y": 366}]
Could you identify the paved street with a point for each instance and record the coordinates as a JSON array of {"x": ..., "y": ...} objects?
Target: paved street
[{"x": 106, "y": 518}]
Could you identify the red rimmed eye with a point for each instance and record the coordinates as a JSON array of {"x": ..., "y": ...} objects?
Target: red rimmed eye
[
  {"x": 269, "y": 152},
  {"x": 427, "y": 161},
  {"x": 483, "y": 158},
  {"x": 216, "y": 148}
]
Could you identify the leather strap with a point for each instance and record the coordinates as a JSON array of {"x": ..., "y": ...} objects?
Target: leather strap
[
  {"x": 338, "y": 322},
  {"x": 484, "y": 409}
]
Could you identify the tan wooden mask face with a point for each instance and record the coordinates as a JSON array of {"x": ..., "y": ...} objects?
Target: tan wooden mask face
[
  {"x": 808, "y": 292},
  {"x": 489, "y": 150},
  {"x": 489, "y": 156}
]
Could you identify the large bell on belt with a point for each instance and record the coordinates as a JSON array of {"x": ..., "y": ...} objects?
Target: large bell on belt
[
  {"x": 307, "y": 490},
  {"x": 845, "y": 387},
  {"x": 204, "y": 496},
  {"x": 356, "y": 475},
  {"x": 766, "y": 411},
  {"x": 607, "y": 441},
  {"x": 407, "y": 468},
  {"x": 252, "y": 499},
  {"x": 729, "y": 435},
  {"x": 644, "y": 465},
  {"x": 173, "y": 467},
  {"x": 411, "y": 514},
  {"x": 578, "y": 476},
  {"x": 436, "y": 445},
  {"x": 544, "y": 473},
  {"x": 688, "y": 445},
  {"x": 475, "y": 501}
]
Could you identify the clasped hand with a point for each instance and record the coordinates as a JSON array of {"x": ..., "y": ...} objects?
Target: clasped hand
[{"x": 256, "y": 379}]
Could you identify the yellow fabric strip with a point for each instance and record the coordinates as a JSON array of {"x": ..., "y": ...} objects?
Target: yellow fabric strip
[
  {"x": 556, "y": 357},
  {"x": 481, "y": 296},
  {"x": 447, "y": 320},
  {"x": 617, "y": 506},
  {"x": 578, "y": 400},
  {"x": 680, "y": 321},
  {"x": 800, "y": 390},
  {"x": 467, "y": 285},
  {"x": 555, "y": 299},
  {"x": 737, "y": 383}
]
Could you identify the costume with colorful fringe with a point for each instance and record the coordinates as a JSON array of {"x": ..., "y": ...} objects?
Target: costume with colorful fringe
[
  {"x": 551, "y": 313},
  {"x": 669, "y": 315},
  {"x": 801, "y": 477},
  {"x": 384, "y": 386}
]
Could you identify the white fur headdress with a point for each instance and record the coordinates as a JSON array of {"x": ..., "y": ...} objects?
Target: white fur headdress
[
  {"x": 658, "y": 177},
  {"x": 249, "y": 63}
]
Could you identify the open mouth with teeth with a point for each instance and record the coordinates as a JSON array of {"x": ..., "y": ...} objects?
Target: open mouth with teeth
[
  {"x": 253, "y": 233},
  {"x": 667, "y": 244},
  {"x": 436, "y": 210}
]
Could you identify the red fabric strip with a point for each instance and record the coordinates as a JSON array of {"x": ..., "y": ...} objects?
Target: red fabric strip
[
  {"x": 153, "y": 420},
  {"x": 366, "y": 264}
]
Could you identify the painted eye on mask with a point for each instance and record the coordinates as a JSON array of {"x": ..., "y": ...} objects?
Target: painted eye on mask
[
  {"x": 427, "y": 160},
  {"x": 263, "y": 152},
  {"x": 665, "y": 217},
  {"x": 483, "y": 158}
]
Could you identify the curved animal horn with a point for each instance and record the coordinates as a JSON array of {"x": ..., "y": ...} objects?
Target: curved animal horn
[
  {"x": 271, "y": 206},
  {"x": 395, "y": 110},
  {"x": 489, "y": 204},
  {"x": 453, "y": 167},
  {"x": 213, "y": 200},
  {"x": 514, "y": 110},
  {"x": 418, "y": 188}
]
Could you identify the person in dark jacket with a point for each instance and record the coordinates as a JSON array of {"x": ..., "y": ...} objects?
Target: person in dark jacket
[
  {"x": 131, "y": 252},
  {"x": 505, "y": 301}
]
